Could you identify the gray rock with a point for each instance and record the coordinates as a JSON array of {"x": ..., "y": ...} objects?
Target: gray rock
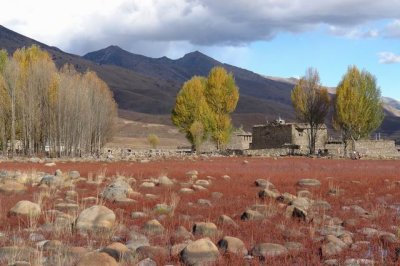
[
  {"x": 205, "y": 229},
  {"x": 186, "y": 190},
  {"x": 233, "y": 245},
  {"x": 294, "y": 246},
  {"x": 332, "y": 246},
  {"x": 266, "y": 193},
  {"x": 147, "y": 185},
  {"x": 264, "y": 184},
  {"x": 250, "y": 215},
  {"x": 74, "y": 174},
  {"x": 199, "y": 251},
  {"x": 165, "y": 181},
  {"x": 26, "y": 208},
  {"x": 308, "y": 182},
  {"x": 147, "y": 262},
  {"x": 162, "y": 208},
  {"x": 52, "y": 180},
  {"x": 117, "y": 190},
  {"x": 265, "y": 250},
  {"x": 153, "y": 227},
  {"x": 152, "y": 252},
  {"x": 137, "y": 240},
  {"x": 225, "y": 220},
  {"x": 204, "y": 202},
  {"x": 96, "y": 217},
  {"x": 181, "y": 233}
]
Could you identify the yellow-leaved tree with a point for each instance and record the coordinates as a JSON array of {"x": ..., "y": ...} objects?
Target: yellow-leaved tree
[
  {"x": 311, "y": 102},
  {"x": 358, "y": 105},
  {"x": 203, "y": 107},
  {"x": 191, "y": 108},
  {"x": 222, "y": 96}
]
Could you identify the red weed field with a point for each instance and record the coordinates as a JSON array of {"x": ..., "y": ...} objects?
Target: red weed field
[{"x": 351, "y": 217}]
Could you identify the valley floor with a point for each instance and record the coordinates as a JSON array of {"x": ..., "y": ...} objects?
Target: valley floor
[{"x": 345, "y": 211}]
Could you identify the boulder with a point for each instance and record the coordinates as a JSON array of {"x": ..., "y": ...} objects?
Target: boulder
[
  {"x": 153, "y": 227},
  {"x": 152, "y": 252},
  {"x": 10, "y": 187},
  {"x": 117, "y": 190},
  {"x": 266, "y": 193},
  {"x": 202, "y": 182},
  {"x": 199, "y": 251},
  {"x": 225, "y": 220},
  {"x": 147, "y": 185},
  {"x": 137, "y": 240},
  {"x": 26, "y": 208},
  {"x": 162, "y": 208},
  {"x": 205, "y": 229},
  {"x": 52, "y": 180},
  {"x": 165, "y": 181},
  {"x": 251, "y": 215},
  {"x": 265, "y": 250},
  {"x": 96, "y": 217},
  {"x": 147, "y": 262},
  {"x": 233, "y": 245},
  {"x": 181, "y": 233},
  {"x": 96, "y": 259},
  {"x": 74, "y": 174}
]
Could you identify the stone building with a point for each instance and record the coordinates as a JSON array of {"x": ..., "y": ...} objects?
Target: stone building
[{"x": 279, "y": 134}]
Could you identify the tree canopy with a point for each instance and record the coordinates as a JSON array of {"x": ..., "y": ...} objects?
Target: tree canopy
[
  {"x": 311, "y": 102},
  {"x": 358, "y": 105},
  {"x": 60, "y": 112},
  {"x": 203, "y": 107}
]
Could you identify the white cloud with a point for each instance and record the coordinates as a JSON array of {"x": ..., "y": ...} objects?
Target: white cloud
[
  {"x": 353, "y": 32},
  {"x": 156, "y": 26},
  {"x": 388, "y": 58},
  {"x": 392, "y": 30}
]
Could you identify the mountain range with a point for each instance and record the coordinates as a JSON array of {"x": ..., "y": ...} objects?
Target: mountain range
[{"x": 145, "y": 88}]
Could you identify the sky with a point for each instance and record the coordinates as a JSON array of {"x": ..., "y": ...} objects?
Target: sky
[{"x": 279, "y": 38}]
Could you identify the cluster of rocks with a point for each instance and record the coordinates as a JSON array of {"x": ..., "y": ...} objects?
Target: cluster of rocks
[{"x": 205, "y": 242}]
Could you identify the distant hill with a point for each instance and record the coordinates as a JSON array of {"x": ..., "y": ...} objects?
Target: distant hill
[
  {"x": 257, "y": 94},
  {"x": 145, "y": 88}
]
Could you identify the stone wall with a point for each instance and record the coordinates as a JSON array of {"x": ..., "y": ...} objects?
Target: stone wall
[{"x": 367, "y": 148}]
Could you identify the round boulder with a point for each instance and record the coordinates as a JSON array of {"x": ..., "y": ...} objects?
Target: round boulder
[
  {"x": 199, "y": 251},
  {"x": 26, "y": 208},
  {"x": 97, "y": 258},
  {"x": 233, "y": 245},
  {"x": 95, "y": 218},
  {"x": 205, "y": 229}
]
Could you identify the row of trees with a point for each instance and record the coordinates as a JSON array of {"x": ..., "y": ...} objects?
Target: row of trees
[
  {"x": 357, "y": 105},
  {"x": 43, "y": 109},
  {"x": 203, "y": 108}
]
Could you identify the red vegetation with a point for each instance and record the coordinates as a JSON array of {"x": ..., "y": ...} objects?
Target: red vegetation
[{"x": 369, "y": 184}]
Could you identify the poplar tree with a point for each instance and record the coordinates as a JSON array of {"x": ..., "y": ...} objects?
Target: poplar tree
[
  {"x": 190, "y": 107},
  {"x": 358, "y": 105},
  {"x": 222, "y": 96},
  {"x": 58, "y": 112},
  {"x": 311, "y": 102}
]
